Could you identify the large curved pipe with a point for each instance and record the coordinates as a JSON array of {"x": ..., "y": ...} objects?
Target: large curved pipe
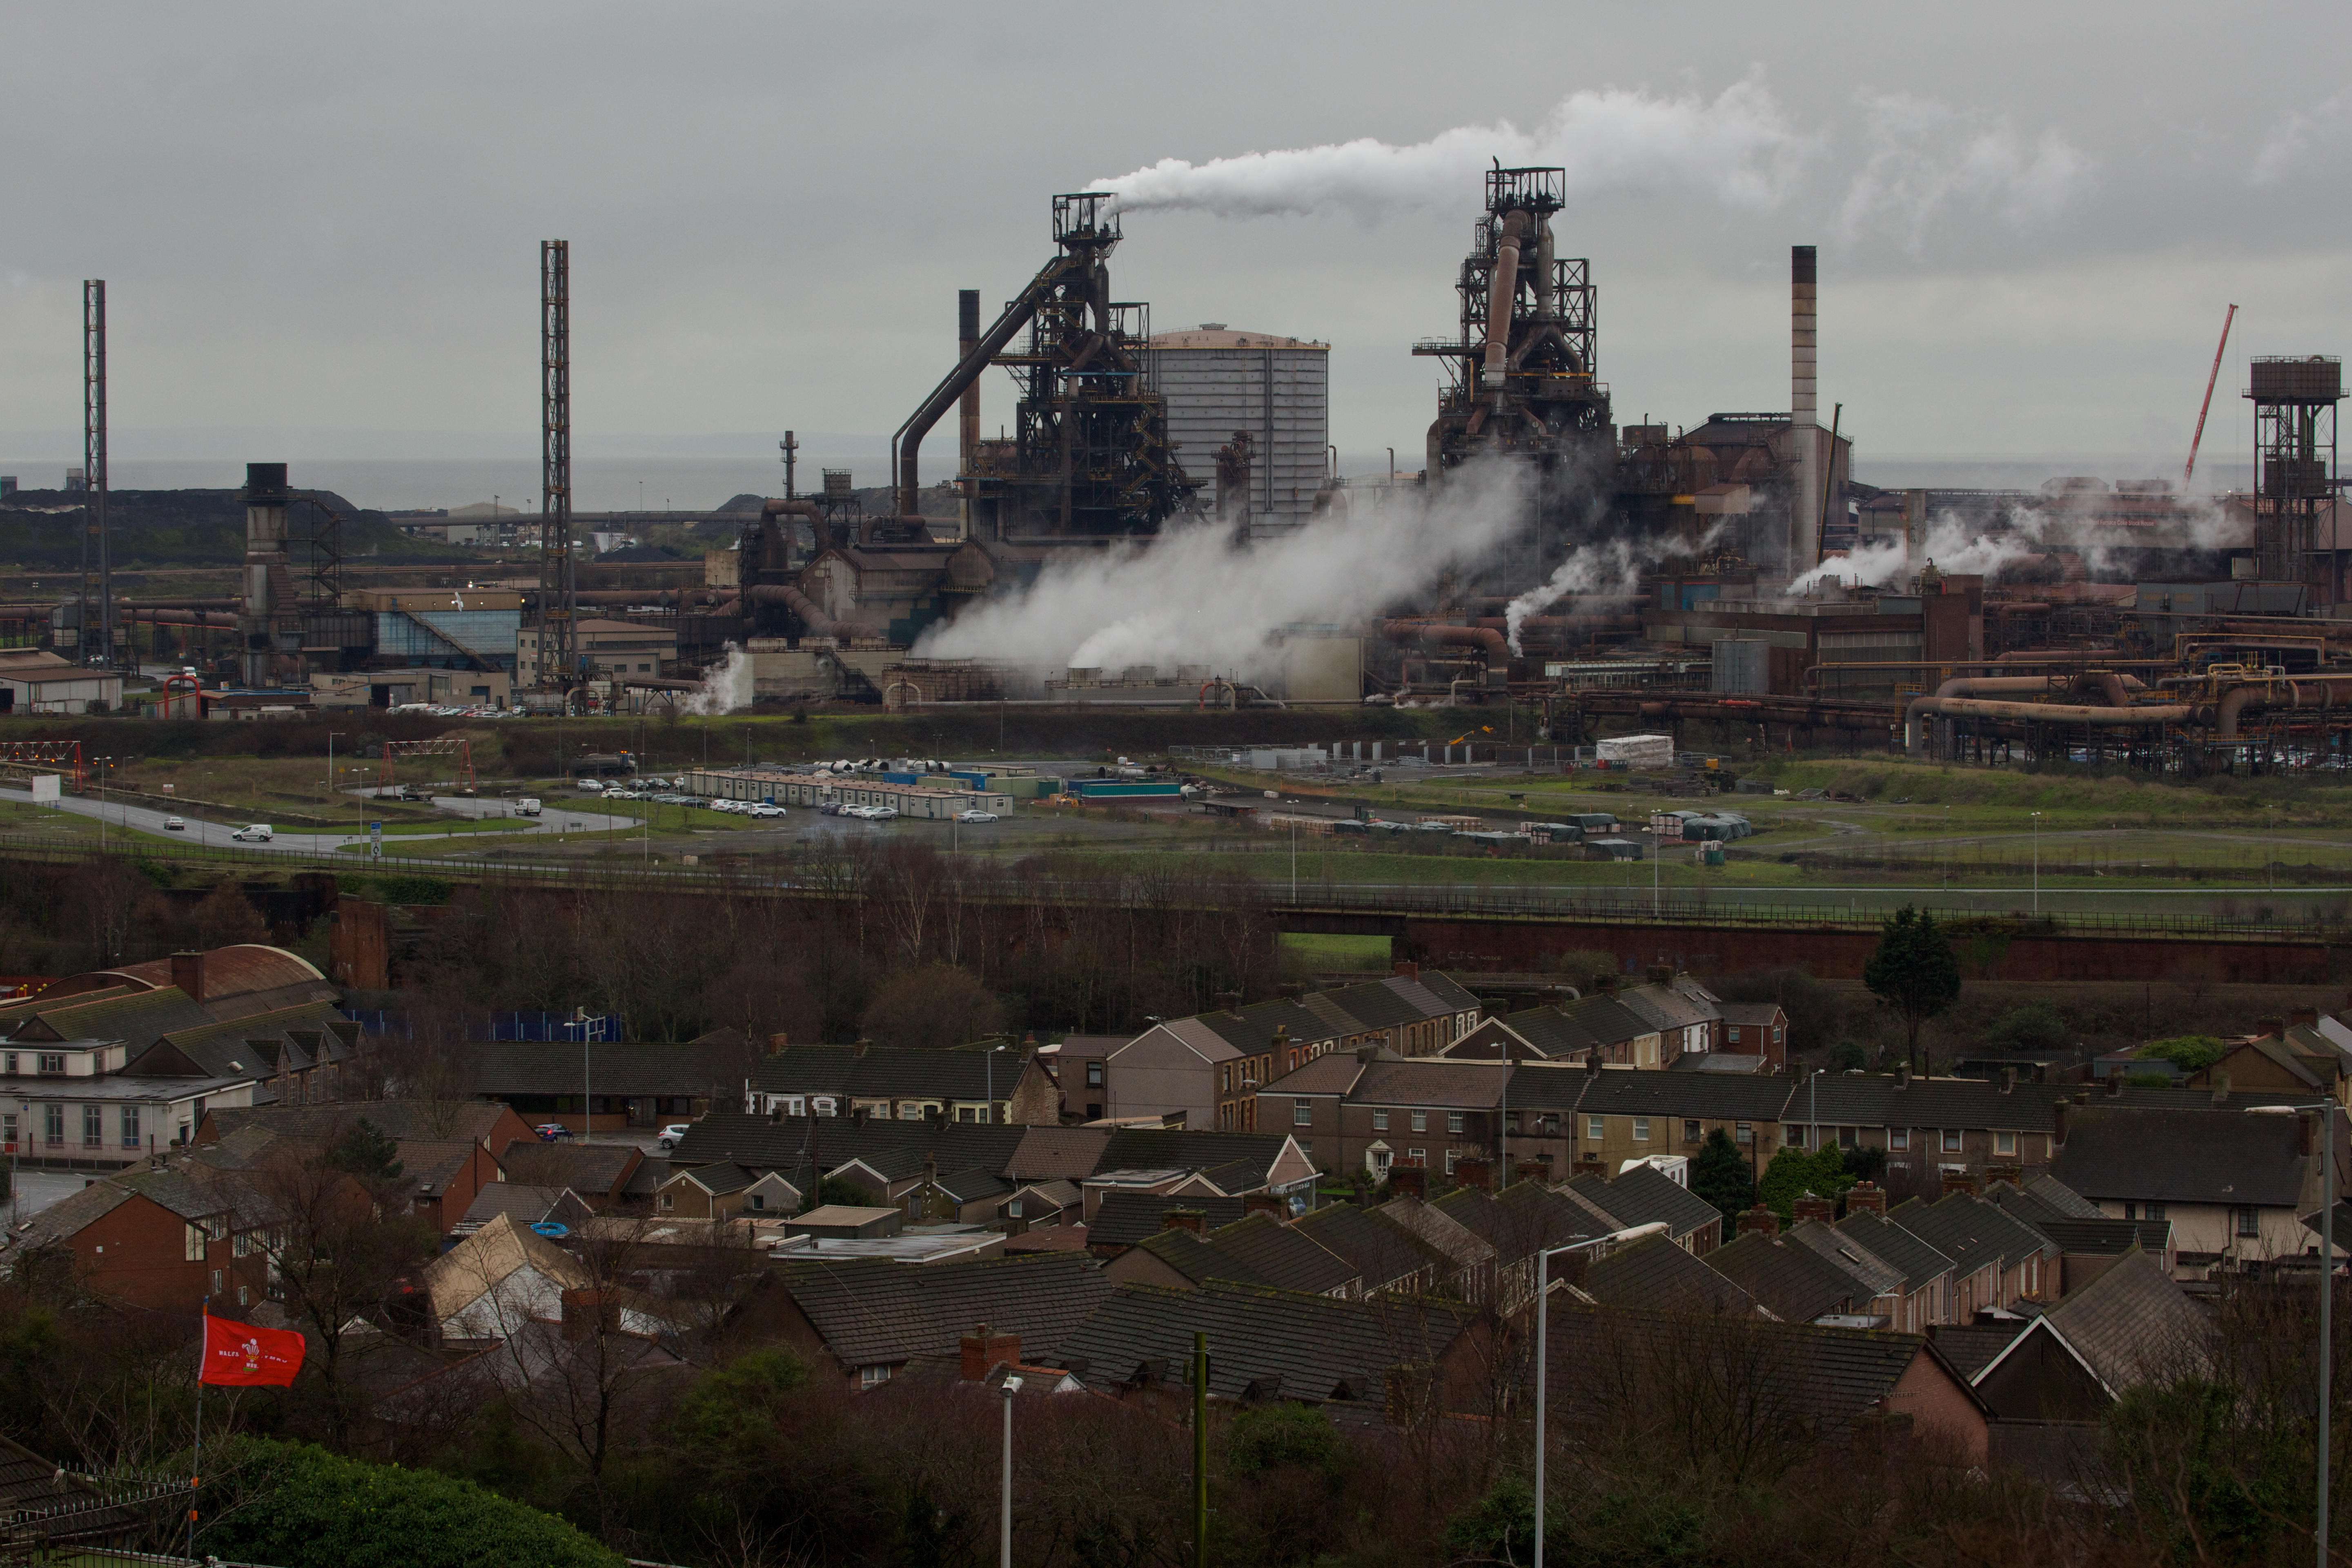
[
  {"x": 2055, "y": 712},
  {"x": 1486, "y": 637},
  {"x": 1914, "y": 735},
  {"x": 907, "y": 444},
  {"x": 1502, "y": 290},
  {"x": 818, "y": 622}
]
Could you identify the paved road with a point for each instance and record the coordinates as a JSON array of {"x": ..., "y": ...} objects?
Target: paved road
[{"x": 558, "y": 819}]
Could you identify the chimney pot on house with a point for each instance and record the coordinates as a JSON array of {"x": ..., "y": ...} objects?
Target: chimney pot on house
[
  {"x": 1406, "y": 968},
  {"x": 2062, "y": 1119},
  {"x": 1230, "y": 1002},
  {"x": 2221, "y": 1089},
  {"x": 861, "y": 1048},
  {"x": 1194, "y": 1220},
  {"x": 1532, "y": 1171},
  {"x": 1760, "y": 1218},
  {"x": 1960, "y": 1182},
  {"x": 586, "y": 1310},
  {"x": 778, "y": 1042},
  {"x": 1269, "y": 1204},
  {"x": 188, "y": 974},
  {"x": 1408, "y": 1179},
  {"x": 1659, "y": 974},
  {"x": 2008, "y": 1080},
  {"x": 2303, "y": 1017},
  {"x": 1592, "y": 1164},
  {"x": 1865, "y": 1197},
  {"x": 1903, "y": 1076},
  {"x": 1592, "y": 1061},
  {"x": 1368, "y": 1053},
  {"x": 1474, "y": 1174},
  {"x": 2266, "y": 1028},
  {"x": 1810, "y": 1206},
  {"x": 2116, "y": 1084},
  {"x": 984, "y": 1351}
]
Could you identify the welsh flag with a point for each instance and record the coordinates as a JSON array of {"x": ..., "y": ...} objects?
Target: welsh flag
[{"x": 245, "y": 1356}]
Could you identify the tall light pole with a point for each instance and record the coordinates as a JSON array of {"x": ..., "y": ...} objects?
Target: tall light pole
[
  {"x": 1011, "y": 1386},
  {"x": 2326, "y": 1307},
  {"x": 1543, "y": 1345},
  {"x": 2037, "y": 864}
]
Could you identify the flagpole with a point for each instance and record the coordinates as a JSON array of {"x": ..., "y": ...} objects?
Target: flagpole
[{"x": 196, "y": 1466}]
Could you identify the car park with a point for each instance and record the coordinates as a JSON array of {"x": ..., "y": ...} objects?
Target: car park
[
  {"x": 975, "y": 817},
  {"x": 173, "y": 824}
]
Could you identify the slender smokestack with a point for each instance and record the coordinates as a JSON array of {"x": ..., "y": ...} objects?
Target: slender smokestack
[
  {"x": 967, "y": 339},
  {"x": 264, "y": 564},
  {"x": 1805, "y": 495}
]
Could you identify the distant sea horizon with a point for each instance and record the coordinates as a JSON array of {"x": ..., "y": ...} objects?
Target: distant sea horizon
[{"x": 703, "y": 483}]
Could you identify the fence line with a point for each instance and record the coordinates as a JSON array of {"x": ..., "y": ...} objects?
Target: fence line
[{"x": 1563, "y": 904}]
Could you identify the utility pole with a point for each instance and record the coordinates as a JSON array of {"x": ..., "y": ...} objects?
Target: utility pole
[
  {"x": 93, "y": 458},
  {"x": 1200, "y": 1451}
]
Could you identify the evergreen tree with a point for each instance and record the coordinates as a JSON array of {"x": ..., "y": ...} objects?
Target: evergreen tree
[
  {"x": 1912, "y": 971},
  {"x": 1720, "y": 1174}
]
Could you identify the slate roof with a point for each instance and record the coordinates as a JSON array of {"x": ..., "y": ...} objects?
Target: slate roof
[
  {"x": 1251, "y": 1031},
  {"x": 2184, "y": 1157},
  {"x": 1300, "y": 1346},
  {"x": 973, "y": 1186},
  {"x": 306, "y": 1032},
  {"x": 1655, "y": 1272},
  {"x": 1335, "y": 1073},
  {"x": 1890, "y": 1243},
  {"x": 1806, "y": 1378},
  {"x": 1439, "y": 1231},
  {"x": 1793, "y": 1284},
  {"x": 1972, "y": 1347},
  {"x": 2134, "y": 1324},
  {"x": 1525, "y": 1218},
  {"x": 138, "y": 1019},
  {"x": 1451, "y": 994},
  {"x": 1430, "y": 1080},
  {"x": 1057, "y": 1153},
  {"x": 926, "y": 1072},
  {"x": 1606, "y": 1019},
  {"x": 1127, "y": 1218},
  {"x": 1546, "y": 1088},
  {"x": 1747, "y": 1013},
  {"x": 1195, "y": 1259},
  {"x": 473, "y": 1119},
  {"x": 70, "y": 1215},
  {"x": 2043, "y": 1197},
  {"x": 2107, "y": 1238},
  {"x": 1144, "y": 1149},
  {"x": 717, "y": 1180},
  {"x": 598, "y": 1170},
  {"x": 894, "y": 1148},
  {"x": 432, "y": 1163},
  {"x": 1283, "y": 1256},
  {"x": 1873, "y": 1276},
  {"x": 1707, "y": 1096},
  {"x": 527, "y": 1206},
  {"x": 1381, "y": 1253},
  {"x": 1647, "y": 1194},
  {"x": 1968, "y": 1230},
  {"x": 874, "y": 1312},
  {"x": 1551, "y": 1031},
  {"x": 536, "y": 1067}
]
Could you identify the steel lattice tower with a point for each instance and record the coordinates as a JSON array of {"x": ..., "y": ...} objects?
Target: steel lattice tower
[
  {"x": 2295, "y": 467},
  {"x": 557, "y": 586}
]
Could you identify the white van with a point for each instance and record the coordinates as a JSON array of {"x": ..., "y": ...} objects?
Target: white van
[
  {"x": 527, "y": 806},
  {"x": 258, "y": 832}
]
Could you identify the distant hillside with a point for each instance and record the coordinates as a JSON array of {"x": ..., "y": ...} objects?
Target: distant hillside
[{"x": 182, "y": 528}]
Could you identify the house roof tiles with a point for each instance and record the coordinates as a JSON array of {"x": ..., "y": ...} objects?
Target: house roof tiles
[
  {"x": 1308, "y": 1347},
  {"x": 2184, "y": 1157},
  {"x": 1655, "y": 1272},
  {"x": 1792, "y": 1283},
  {"x": 1127, "y": 1218},
  {"x": 874, "y": 1312}
]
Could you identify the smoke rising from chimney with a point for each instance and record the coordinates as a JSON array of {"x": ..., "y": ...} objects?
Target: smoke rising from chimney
[
  {"x": 1738, "y": 146},
  {"x": 1194, "y": 596}
]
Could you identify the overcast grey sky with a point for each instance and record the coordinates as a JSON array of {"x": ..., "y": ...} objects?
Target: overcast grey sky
[{"x": 319, "y": 225}]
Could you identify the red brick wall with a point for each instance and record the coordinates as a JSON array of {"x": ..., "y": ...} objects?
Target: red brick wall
[{"x": 1937, "y": 1403}]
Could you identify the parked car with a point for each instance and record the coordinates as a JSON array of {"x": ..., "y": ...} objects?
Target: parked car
[
  {"x": 591, "y": 787},
  {"x": 671, "y": 1134},
  {"x": 173, "y": 824},
  {"x": 975, "y": 817},
  {"x": 881, "y": 813},
  {"x": 258, "y": 832},
  {"x": 551, "y": 1131}
]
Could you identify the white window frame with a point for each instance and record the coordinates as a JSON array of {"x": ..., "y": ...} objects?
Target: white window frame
[
  {"x": 1898, "y": 1139},
  {"x": 1596, "y": 1128},
  {"x": 1951, "y": 1141},
  {"x": 1454, "y": 1122},
  {"x": 1641, "y": 1130},
  {"x": 2004, "y": 1143},
  {"x": 1379, "y": 1120},
  {"x": 1302, "y": 1113},
  {"x": 1421, "y": 1122}
]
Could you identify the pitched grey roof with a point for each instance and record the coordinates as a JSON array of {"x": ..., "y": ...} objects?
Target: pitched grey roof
[
  {"x": 535, "y": 1066},
  {"x": 1283, "y": 1256},
  {"x": 597, "y": 1169},
  {"x": 1429, "y": 1080},
  {"x": 1972, "y": 1347},
  {"x": 2184, "y": 1157},
  {"x": 1251, "y": 1031},
  {"x": 886, "y": 1071},
  {"x": 1057, "y": 1153},
  {"x": 1146, "y": 1148},
  {"x": 1195, "y": 1258},
  {"x": 1970, "y": 1231},
  {"x": 1382, "y": 1254},
  {"x": 1655, "y": 1272},
  {"x": 1873, "y": 1276},
  {"x": 1525, "y": 1217},
  {"x": 894, "y": 1148},
  {"x": 1791, "y": 1283},
  {"x": 1310, "y": 1348},
  {"x": 473, "y": 1119},
  {"x": 1708, "y": 1096},
  {"x": 1127, "y": 1218},
  {"x": 1812, "y": 1382},
  {"x": 1921, "y": 1264},
  {"x": 526, "y": 1205},
  {"x": 1645, "y": 1194},
  {"x": 873, "y": 1312},
  {"x": 2134, "y": 1324}
]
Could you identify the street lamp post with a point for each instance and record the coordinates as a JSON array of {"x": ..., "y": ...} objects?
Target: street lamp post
[
  {"x": 1543, "y": 1344},
  {"x": 2326, "y": 1307},
  {"x": 2037, "y": 864},
  {"x": 1011, "y": 1386}
]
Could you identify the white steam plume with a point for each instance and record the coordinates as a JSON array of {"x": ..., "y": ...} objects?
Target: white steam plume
[
  {"x": 2295, "y": 133},
  {"x": 1927, "y": 156},
  {"x": 1737, "y": 146},
  {"x": 1951, "y": 544},
  {"x": 1193, "y": 597},
  {"x": 726, "y": 687}
]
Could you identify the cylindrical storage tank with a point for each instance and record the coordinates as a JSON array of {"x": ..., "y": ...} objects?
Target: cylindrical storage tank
[{"x": 1218, "y": 380}]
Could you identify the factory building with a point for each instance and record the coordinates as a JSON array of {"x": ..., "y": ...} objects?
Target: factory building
[
  {"x": 1222, "y": 385},
  {"x": 607, "y": 649}
]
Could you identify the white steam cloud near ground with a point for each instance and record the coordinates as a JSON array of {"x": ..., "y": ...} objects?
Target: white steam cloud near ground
[
  {"x": 726, "y": 687},
  {"x": 1741, "y": 147},
  {"x": 1192, "y": 596},
  {"x": 1610, "y": 567}
]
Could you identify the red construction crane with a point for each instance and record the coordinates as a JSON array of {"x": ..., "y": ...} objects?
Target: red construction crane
[{"x": 2198, "y": 439}]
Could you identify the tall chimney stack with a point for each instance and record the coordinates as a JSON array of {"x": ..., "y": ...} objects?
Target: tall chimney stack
[
  {"x": 1805, "y": 493},
  {"x": 967, "y": 339}
]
